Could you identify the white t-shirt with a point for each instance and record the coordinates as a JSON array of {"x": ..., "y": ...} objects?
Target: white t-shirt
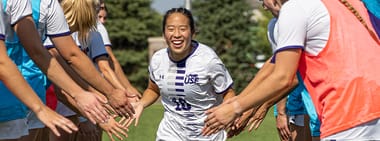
[
  {"x": 299, "y": 19},
  {"x": 103, "y": 31},
  {"x": 188, "y": 88},
  {"x": 14, "y": 10},
  {"x": 52, "y": 21}
]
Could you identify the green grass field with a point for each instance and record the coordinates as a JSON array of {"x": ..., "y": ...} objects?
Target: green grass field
[{"x": 151, "y": 117}]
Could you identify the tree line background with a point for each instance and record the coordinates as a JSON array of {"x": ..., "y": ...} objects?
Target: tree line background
[{"x": 225, "y": 25}]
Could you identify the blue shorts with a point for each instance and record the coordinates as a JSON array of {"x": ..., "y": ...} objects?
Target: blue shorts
[
  {"x": 299, "y": 103},
  {"x": 294, "y": 104}
]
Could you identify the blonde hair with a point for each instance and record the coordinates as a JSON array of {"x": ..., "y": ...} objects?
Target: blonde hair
[{"x": 81, "y": 16}]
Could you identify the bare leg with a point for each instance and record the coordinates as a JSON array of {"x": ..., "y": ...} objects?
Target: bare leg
[
  {"x": 42, "y": 134},
  {"x": 307, "y": 128},
  {"x": 89, "y": 132},
  {"x": 32, "y": 135},
  {"x": 297, "y": 132},
  {"x": 315, "y": 138}
]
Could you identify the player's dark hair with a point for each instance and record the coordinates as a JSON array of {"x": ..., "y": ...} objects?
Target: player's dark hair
[
  {"x": 103, "y": 7},
  {"x": 183, "y": 11}
]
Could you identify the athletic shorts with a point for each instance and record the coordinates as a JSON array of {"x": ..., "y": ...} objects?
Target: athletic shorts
[
  {"x": 314, "y": 122},
  {"x": 369, "y": 131},
  {"x": 298, "y": 120},
  {"x": 294, "y": 104},
  {"x": 300, "y": 103},
  {"x": 13, "y": 129},
  {"x": 33, "y": 121}
]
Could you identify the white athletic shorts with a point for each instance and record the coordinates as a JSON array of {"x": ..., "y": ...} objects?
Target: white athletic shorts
[
  {"x": 13, "y": 129},
  {"x": 369, "y": 131}
]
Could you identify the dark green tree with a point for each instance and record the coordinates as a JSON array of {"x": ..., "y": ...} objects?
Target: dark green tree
[
  {"x": 229, "y": 28},
  {"x": 130, "y": 23}
]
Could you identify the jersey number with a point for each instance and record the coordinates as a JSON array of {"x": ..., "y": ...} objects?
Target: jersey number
[{"x": 181, "y": 104}]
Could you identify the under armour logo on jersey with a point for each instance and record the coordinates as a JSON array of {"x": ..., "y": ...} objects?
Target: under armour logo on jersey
[{"x": 191, "y": 78}]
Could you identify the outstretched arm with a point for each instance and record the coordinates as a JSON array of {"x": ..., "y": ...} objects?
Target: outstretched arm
[
  {"x": 120, "y": 73},
  {"x": 229, "y": 94},
  {"x": 80, "y": 82},
  {"x": 115, "y": 65},
  {"x": 13, "y": 80},
  {"x": 276, "y": 84},
  {"x": 85, "y": 68},
  {"x": 245, "y": 119},
  {"x": 30, "y": 39},
  {"x": 108, "y": 73},
  {"x": 282, "y": 120},
  {"x": 279, "y": 83},
  {"x": 150, "y": 95},
  {"x": 83, "y": 84}
]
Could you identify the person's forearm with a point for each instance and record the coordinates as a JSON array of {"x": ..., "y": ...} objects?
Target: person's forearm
[
  {"x": 84, "y": 67},
  {"x": 281, "y": 96},
  {"x": 54, "y": 52},
  {"x": 13, "y": 80},
  {"x": 108, "y": 73},
  {"x": 265, "y": 91},
  {"x": 114, "y": 63},
  {"x": 150, "y": 95},
  {"x": 281, "y": 106},
  {"x": 278, "y": 83},
  {"x": 262, "y": 74},
  {"x": 63, "y": 97},
  {"x": 111, "y": 77},
  {"x": 229, "y": 94},
  {"x": 81, "y": 64},
  {"x": 29, "y": 38}
]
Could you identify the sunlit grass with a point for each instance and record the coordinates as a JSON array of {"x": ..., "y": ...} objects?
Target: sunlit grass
[{"x": 151, "y": 117}]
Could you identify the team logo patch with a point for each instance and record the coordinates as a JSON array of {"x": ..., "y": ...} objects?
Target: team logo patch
[{"x": 191, "y": 78}]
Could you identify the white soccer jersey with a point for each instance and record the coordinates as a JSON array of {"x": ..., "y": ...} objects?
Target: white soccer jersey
[
  {"x": 299, "y": 19},
  {"x": 103, "y": 31},
  {"x": 188, "y": 88}
]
